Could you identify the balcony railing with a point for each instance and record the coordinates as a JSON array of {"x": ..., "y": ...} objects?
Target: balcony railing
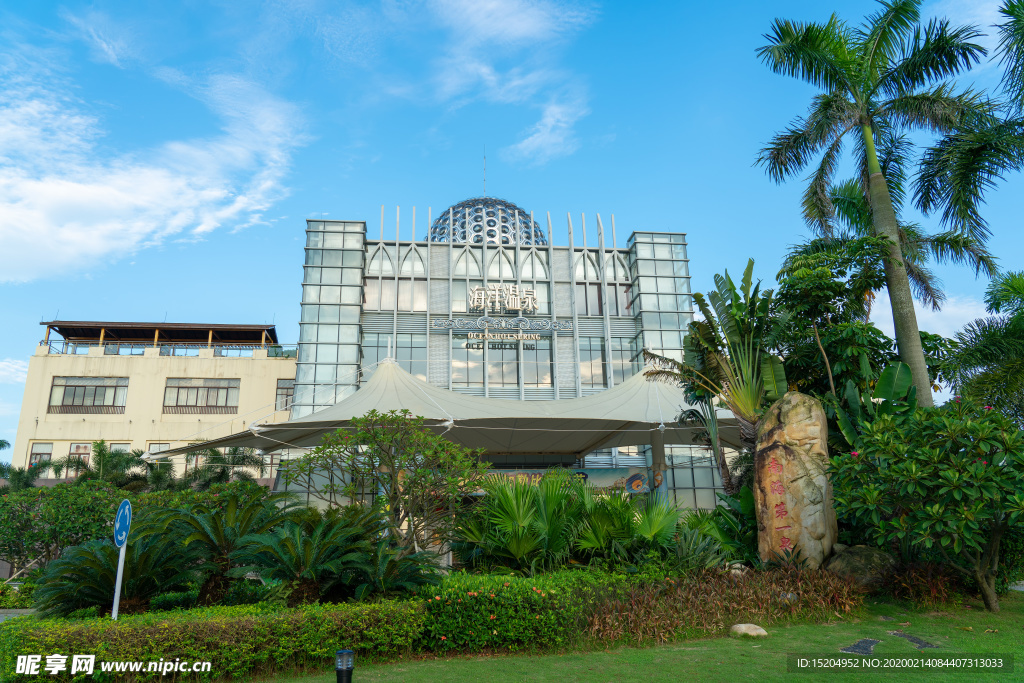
[{"x": 177, "y": 349}]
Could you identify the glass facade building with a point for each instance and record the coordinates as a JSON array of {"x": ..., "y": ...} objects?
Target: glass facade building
[{"x": 439, "y": 306}]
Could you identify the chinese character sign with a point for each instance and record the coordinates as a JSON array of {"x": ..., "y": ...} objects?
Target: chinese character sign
[{"x": 503, "y": 298}]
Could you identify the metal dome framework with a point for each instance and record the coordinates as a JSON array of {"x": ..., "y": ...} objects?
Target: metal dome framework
[{"x": 486, "y": 220}]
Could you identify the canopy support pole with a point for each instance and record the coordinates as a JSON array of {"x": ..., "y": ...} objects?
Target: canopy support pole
[{"x": 658, "y": 460}]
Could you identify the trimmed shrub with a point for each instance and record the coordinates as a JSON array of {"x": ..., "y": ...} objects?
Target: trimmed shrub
[
  {"x": 494, "y": 612},
  {"x": 19, "y": 597},
  {"x": 241, "y": 642}
]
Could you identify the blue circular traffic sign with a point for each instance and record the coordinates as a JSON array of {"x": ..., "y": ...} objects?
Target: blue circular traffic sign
[{"x": 122, "y": 522}]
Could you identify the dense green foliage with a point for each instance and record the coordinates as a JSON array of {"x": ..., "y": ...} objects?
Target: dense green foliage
[
  {"x": 84, "y": 576},
  {"x": 529, "y": 528},
  {"x": 945, "y": 479},
  {"x": 466, "y": 613}
]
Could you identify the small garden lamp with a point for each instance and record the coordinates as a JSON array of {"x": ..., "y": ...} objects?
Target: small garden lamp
[{"x": 344, "y": 662}]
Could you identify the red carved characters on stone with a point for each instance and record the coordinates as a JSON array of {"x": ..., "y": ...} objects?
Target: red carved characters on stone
[
  {"x": 774, "y": 467},
  {"x": 776, "y": 488},
  {"x": 780, "y": 511},
  {"x": 785, "y": 543}
]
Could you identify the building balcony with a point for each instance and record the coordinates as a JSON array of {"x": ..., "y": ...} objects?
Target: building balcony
[{"x": 84, "y": 348}]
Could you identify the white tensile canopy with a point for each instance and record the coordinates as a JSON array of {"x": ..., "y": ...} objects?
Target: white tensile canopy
[{"x": 512, "y": 433}]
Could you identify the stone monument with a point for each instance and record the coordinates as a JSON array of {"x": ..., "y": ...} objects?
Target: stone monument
[{"x": 792, "y": 494}]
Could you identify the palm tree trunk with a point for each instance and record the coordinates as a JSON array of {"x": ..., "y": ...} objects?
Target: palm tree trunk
[{"x": 904, "y": 318}]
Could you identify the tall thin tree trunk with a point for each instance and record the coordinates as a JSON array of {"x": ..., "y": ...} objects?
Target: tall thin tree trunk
[{"x": 904, "y": 318}]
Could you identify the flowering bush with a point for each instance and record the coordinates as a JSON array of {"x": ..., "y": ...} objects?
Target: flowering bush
[{"x": 948, "y": 479}]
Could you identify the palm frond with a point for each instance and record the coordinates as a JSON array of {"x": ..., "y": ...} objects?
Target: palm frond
[
  {"x": 1011, "y": 52},
  {"x": 883, "y": 33},
  {"x": 830, "y": 117},
  {"x": 940, "y": 110},
  {"x": 955, "y": 247},
  {"x": 1005, "y": 294},
  {"x": 816, "y": 53},
  {"x": 936, "y": 52}
]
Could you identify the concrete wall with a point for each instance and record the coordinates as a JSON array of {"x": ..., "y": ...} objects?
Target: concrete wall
[{"x": 143, "y": 421}]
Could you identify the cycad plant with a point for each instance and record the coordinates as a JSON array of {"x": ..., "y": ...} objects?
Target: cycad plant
[
  {"x": 888, "y": 76},
  {"x": 389, "y": 572},
  {"x": 217, "y": 534},
  {"x": 310, "y": 561},
  {"x": 85, "y": 575}
]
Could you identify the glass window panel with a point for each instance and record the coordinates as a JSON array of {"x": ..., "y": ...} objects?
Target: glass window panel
[
  {"x": 334, "y": 240},
  {"x": 352, "y": 259},
  {"x": 702, "y": 477},
  {"x": 644, "y": 250},
  {"x": 662, "y": 251},
  {"x": 348, "y": 354},
  {"x": 663, "y": 268},
  {"x": 351, "y": 276},
  {"x": 405, "y": 295},
  {"x": 387, "y": 294},
  {"x": 348, "y": 334},
  {"x": 353, "y": 241},
  {"x": 683, "y": 477},
  {"x": 327, "y": 334},
  {"x": 351, "y": 295},
  {"x": 313, "y": 257},
  {"x": 348, "y": 314},
  {"x": 326, "y": 353},
  {"x": 329, "y": 314},
  {"x": 304, "y": 374},
  {"x": 371, "y": 294},
  {"x": 330, "y": 295},
  {"x": 680, "y": 268},
  {"x": 666, "y": 302},
  {"x": 310, "y": 294},
  {"x": 325, "y": 374},
  {"x": 685, "y": 498},
  {"x": 307, "y": 353},
  {"x": 311, "y": 276},
  {"x": 419, "y": 295},
  {"x": 308, "y": 314},
  {"x": 307, "y": 333},
  {"x": 543, "y": 290},
  {"x": 332, "y": 258},
  {"x": 330, "y": 276},
  {"x": 314, "y": 239},
  {"x": 705, "y": 498}
]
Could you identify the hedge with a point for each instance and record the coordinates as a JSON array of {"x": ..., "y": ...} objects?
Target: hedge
[
  {"x": 239, "y": 641},
  {"x": 467, "y": 613}
]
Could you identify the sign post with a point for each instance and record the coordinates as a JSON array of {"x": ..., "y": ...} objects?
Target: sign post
[{"x": 122, "y": 523}]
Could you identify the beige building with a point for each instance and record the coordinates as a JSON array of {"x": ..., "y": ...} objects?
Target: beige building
[{"x": 149, "y": 386}]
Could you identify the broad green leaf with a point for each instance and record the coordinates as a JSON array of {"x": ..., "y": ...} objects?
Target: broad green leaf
[
  {"x": 773, "y": 376},
  {"x": 893, "y": 383}
]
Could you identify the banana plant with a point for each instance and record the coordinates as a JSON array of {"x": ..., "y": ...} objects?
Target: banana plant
[{"x": 894, "y": 394}]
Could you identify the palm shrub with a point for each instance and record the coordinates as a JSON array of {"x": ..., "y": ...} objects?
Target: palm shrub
[
  {"x": 308, "y": 560},
  {"x": 389, "y": 572},
  {"x": 945, "y": 480},
  {"x": 85, "y": 575},
  {"x": 217, "y": 467},
  {"x": 217, "y": 532},
  {"x": 733, "y": 525},
  {"x": 621, "y": 529}
]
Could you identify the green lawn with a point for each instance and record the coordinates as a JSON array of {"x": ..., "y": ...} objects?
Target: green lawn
[{"x": 726, "y": 659}]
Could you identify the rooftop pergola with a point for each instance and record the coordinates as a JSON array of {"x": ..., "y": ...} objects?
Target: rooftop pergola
[{"x": 512, "y": 433}]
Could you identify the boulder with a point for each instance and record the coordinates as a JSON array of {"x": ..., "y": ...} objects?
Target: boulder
[
  {"x": 747, "y": 631},
  {"x": 868, "y": 566},
  {"x": 792, "y": 493}
]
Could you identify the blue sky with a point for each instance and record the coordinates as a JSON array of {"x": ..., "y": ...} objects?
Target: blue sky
[{"x": 157, "y": 160}]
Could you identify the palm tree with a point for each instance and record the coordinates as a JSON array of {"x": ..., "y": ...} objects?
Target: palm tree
[
  {"x": 221, "y": 467},
  {"x": 878, "y": 80},
  {"x": 218, "y": 533},
  {"x": 123, "y": 469},
  {"x": 987, "y": 364},
  {"x": 19, "y": 478}
]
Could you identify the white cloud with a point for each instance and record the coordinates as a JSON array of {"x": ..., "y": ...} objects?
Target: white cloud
[
  {"x": 110, "y": 42},
  {"x": 553, "y": 136},
  {"x": 65, "y": 205},
  {"x": 13, "y": 371},
  {"x": 956, "y": 312}
]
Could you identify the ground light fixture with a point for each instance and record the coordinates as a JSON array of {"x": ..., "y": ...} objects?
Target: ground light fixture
[{"x": 344, "y": 662}]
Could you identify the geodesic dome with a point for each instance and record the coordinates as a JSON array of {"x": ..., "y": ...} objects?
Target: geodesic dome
[{"x": 486, "y": 219}]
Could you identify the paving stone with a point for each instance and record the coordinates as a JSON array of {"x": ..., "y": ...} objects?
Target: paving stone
[
  {"x": 918, "y": 643},
  {"x": 864, "y": 646}
]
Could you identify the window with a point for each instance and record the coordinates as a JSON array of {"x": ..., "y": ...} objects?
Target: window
[
  {"x": 193, "y": 395},
  {"x": 120, "y": 447},
  {"x": 410, "y": 350},
  {"x": 501, "y": 267},
  {"x": 285, "y": 391},
  {"x": 467, "y": 362},
  {"x": 588, "y": 299},
  {"x": 622, "y": 352},
  {"x": 592, "y": 362},
  {"x": 502, "y": 363},
  {"x": 158, "y": 447},
  {"x": 40, "y": 452},
  {"x": 537, "y": 363},
  {"x": 88, "y": 395},
  {"x": 81, "y": 450},
  {"x": 467, "y": 265}
]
